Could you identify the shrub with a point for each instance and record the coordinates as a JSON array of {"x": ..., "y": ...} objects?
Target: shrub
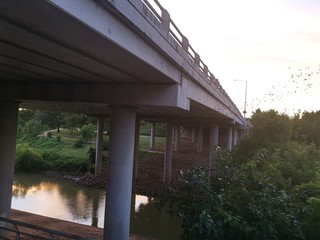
[
  {"x": 49, "y": 134},
  {"x": 87, "y": 132},
  {"x": 78, "y": 144},
  {"x": 92, "y": 154},
  {"x": 28, "y": 160},
  {"x": 242, "y": 201}
]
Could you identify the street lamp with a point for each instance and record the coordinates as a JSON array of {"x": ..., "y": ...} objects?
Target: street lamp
[{"x": 245, "y": 96}]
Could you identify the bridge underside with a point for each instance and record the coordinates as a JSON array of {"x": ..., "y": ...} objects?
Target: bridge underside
[{"x": 86, "y": 57}]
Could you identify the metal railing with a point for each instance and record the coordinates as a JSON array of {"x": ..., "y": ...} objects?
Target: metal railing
[
  {"x": 163, "y": 17},
  {"x": 12, "y": 229}
]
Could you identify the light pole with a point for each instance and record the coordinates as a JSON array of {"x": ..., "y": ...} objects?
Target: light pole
[{"x": 245, "y": 96}]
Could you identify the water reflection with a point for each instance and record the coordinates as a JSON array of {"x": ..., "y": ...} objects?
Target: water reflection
[{"x": 58, "y": 198}]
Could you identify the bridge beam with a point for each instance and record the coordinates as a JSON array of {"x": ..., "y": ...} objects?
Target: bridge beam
[
  {"x": 8, "y": 129},
  {"x": 120, "y": 169}
]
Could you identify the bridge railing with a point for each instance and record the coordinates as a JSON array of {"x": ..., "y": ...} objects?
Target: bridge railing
[
  {"x": 161, "y": 15},
  {"x": 12, "y": 229}
]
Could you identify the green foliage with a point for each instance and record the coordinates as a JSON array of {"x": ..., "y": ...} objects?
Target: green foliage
[
  {"x": 28, "y": 160},
  {"x": 49, "y": 134},
  {"x": 270, "y": 129},
  {"x": 307, "y": 128},
  {"x": 51, "y": 119},
  {"x": 91, "y": 154},
  {"x": 79, "y": 143},
  {"x": 87, "y": 132},
  {"x": 32, "y": 128},
  {"x": 145, "y": 127},
  {"x": 243, "y": 201},
  {"x": 73, "y": 120}
]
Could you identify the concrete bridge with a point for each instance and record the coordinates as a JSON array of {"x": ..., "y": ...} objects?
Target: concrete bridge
[{"x": 120, "y": 58}]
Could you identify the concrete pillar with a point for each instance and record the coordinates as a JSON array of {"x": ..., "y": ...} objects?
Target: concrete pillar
[
  {"x": 214, "y": 140},
  {"x": 229, "y": 139},
  {"x": 99, "y": 146},
  {"x": 194, "y": 134},
  {"x": 136, "y": 149},
  {"x": 200, "y": 139},
  {"x": 8, "y": 130},
  {"x": 120, "y": 168},
  {"x": 176, "y": 137},
  {"x": 235, "y": 136},
  {"x": 168, "y": 155},
  {"x": 152, "y": 135}
]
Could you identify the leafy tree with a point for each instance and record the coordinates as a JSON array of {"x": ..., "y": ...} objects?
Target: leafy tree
[
  {"x": 52, "y": 119},
  {"x": 32, "y": 128},
  {"x": 28, "y": 159},
  {"x": 74, "y": 120},
  {"x": 307, "y": 128},
  {"x": 270, "y": 129},
  {"x": 244, "y": 201},
  {"x": 87, "y": 132}
]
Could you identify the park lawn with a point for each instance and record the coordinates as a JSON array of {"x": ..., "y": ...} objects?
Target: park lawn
[{"x": 144, "y": 142}]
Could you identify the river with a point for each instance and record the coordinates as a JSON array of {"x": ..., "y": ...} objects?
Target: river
[{"x": 63, "y": 199}]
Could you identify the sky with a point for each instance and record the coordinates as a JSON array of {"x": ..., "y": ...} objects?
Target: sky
[{"x": 274, "y": 45}]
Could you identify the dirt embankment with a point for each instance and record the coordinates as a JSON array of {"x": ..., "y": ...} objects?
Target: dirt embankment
[{"x": 150, "y": 170}]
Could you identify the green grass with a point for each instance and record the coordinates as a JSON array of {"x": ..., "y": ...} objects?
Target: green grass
[
  {"x": 144, "y": 142},
  {"x": 63, "y": 154}
]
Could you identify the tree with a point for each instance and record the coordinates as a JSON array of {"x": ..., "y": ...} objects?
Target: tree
[
  {"x": 74, "y": 120},
  {"x": 52, "y": 119},
  {"x": 270, "y": 129},
  {"x": 307, "y": 127},
  {"x": 87, "y": 132}
]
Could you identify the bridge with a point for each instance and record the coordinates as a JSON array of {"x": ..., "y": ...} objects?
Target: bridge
[{"x": 120, "y": 58}]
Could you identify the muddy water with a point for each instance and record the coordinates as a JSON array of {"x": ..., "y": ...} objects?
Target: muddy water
[{"x": 62, "y": 199}]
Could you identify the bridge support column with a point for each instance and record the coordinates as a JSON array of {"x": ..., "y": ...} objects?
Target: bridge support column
[
  {"x": 214, "y": 140},
  {"x": 99, "y": 145},
  {"x": 176, "y": 137},
  {"x": 200, "y": 139},
  {"x": 168, "y": 155},
  {"x": 8, "y": 129},
  {"x": 120, "y": 169},
  {"x": 136, "y": 148},
  {"x": 194, "y": 134},
  {"x": 229, "y": 139},
  {"x": 235, "y": 136},
  {"x": 152, "y": 135}
]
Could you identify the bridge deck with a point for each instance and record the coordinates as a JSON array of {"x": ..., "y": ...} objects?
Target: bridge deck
[{"x": 65, "y": 226}]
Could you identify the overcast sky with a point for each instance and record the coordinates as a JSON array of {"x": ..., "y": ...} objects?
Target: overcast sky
[{"x": 272, "y": 44}]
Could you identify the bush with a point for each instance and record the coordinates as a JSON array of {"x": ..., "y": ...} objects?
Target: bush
[
  {"x": 243, "y": 201},
  {"x": 49, "y": 134},
  {"x": 78, "y": 144},
  {"x": 92, "y": 154},
  {"x": 87, "y": 132},
  {"x": 28, "y": 160},
  {"x": 32, "y": 128}
]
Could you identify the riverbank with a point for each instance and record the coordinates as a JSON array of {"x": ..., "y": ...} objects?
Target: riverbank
[{"x": 149, "y": 180}]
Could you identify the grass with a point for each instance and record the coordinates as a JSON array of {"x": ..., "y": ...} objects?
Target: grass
[
  {"x": 63, "y": 154},
  {"x": 144, "y": 142}
]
